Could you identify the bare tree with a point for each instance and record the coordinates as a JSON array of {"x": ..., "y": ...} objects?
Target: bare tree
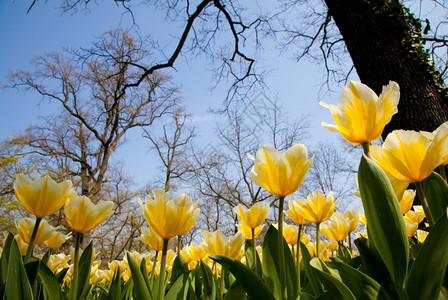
[
  {"x": 78, "y": 142},
  {"x": 172, "y": 147}
]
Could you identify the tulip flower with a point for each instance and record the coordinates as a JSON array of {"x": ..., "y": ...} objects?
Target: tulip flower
[
  {"x": 247, "y": 231},
  {"x": 421, "y": 235},
  {"x": 169, "y": 217},
  {"x": 41, "y": 197},
  {"x": 254, "y": 216},
  {"x": 411, "y": 228},
  {"x": 57, "y": 239},
  {"x": 294, "y": 213},
  {"x": 57, "y": 262},
  {"x": 360, "y": 114},
  {"x": 25, "y": 228},
  {"x": 430, "y": 136},
  {"x": 411, "y": 157},
  {"x": 281, "y": 174},
  {"x": 291, "y": 233},
  {"x": 151, "y": 239},
  {"x": 406, "y": 201},
  {"x": 216, "y": 243},
  {"x": 82, "y": 215},
  {"x": 317, "y": 209},
  {"x": 337, "y": 228}
]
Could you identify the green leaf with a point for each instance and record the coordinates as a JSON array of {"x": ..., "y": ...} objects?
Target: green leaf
[
  {"x": 179, "y": 267},
  {"x": 4, "y": 258},
  {"x": 208, "y": 280},
  {"x": 372, "y": 263},
  {"x": 252, "y": 284},
  {"x": 140, "y": 288},
  {"x": 145, "y": 274},
  {"x": 428, "y": 270},
  {"x": 360, "y": 285},
  {"x": 17, "y": 285},
  {"x": 249, "y": 254},
  {"x": 85, "y": 265},
  {"x": 334, "y": 286},
  {"x": 315, "y": 283},
  {"x": 179, "y": 289},
  {"x": 387, "y": 229},
  {"x": 115, "y": 286},
  {"x": 49, "y": 282},
  {"x": 436, "y": 192},
  {"x": 61, "y": 274},
  {"x": 236, "y": 292},
  {"x": 271, "y": 267}
]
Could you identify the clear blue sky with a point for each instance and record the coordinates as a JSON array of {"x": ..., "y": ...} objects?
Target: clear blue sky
[{"x": 45, "y": 29}]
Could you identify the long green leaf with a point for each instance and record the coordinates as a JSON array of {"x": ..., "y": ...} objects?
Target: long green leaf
[
  {"x": 428, "y": 270},
  {"x": 17, "y": 285},
  {"x": 208, "y": 280},
  {"x": 249, "y": 254},
  {"x": 271, "y": 267},
  {"x": 333, "y": 285},
  {"x": 115, "y": 286},
  {"x": 252, "y": 284},
  {"x": 436, "y": 191},
  {"x": 387, "y": 229},
  {"x": 361, "y": 285},
  {"x": 140, "y": 288},
  {"x": 4, "y": 258},
  {"x": 85, "y": 265},
  {"x": 49, "y": 282},
  {"x": 179, "y": 267},
  {"x": 236, "y": 292},
  {"x": 179, "y": 289},
  {"x": 314, "y": 281}
]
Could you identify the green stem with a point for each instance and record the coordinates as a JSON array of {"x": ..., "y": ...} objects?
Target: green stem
[
  {"x": 29, "y": 250},
  {"x": 153, "y": 271},
  {"x": 317, "y": 239},
  {"x": 254, "y": 249},
  {"x": 222, "y": 282},
  {"x": 424, "y": 202},
  {"x": 162, "y": 270},
  {"x": 74, "y": 284},
  {"x": 366, "y": 148},
  {"x": 179, "y": 244},
  {"x": 281, "y": 248},
  {"x": 442, "y": 171},
  {"x": 350, "y": 242},
  {"x": 298, "y": 259}
]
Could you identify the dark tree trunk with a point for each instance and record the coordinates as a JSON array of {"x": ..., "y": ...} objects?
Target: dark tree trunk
[{"x": 379, "y": 39}]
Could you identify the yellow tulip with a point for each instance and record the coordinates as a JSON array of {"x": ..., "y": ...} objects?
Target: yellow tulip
[
  {"x": 216, "y": 243},
  {"x": 169, "y": 217},
  {"x": 410, "y": 156},
  {"x": 406, "y": 201},
  {"x": 82, "y": 215},
  {"x": 197, "y": 252},
  {"x": 411, "y": 228},
  {"x": 419, "y": 209},
  {"x": 57, "y": 240},
  {"x": 317, "y": 208},
  {"x": 430, "y": 136},
  {"x": 421, "y": 235},
  {"x": 362, "y": 218},
  {"x": 413, "y": 217},
  {"x": 281, "y": 174},
  {"x": 23, "y": 246},
  {"x": 254, "y": 216},
  {"x": 41, "y": 197},
  {"x": 151, "y": 239},
  {"x": 25, "y": 228},
  {"x": 293, "y": 212},
  {"x": 247, "y": 231},
  {"x": 57, "y": 262},
  {"x": 290, "y": 233},
  {"x": 361, "y": 115},
  {"x": 352, "y": 217},
  {"x": 337, "y": 227}
]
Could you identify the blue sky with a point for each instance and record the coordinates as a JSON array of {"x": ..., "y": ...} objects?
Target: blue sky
[{"x": 45, "y": 29}]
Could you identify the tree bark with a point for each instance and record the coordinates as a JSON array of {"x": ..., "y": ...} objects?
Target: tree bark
[{"x": 381, "y": 40}]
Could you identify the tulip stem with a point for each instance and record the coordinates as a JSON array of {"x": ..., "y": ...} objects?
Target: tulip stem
[
  {"x": 281, "y": 248},
  {"x": 222, "y": 282},
  {"x": 317, "y": 239},
  {"x": 442, "y": 171},
  {"x": 153, "y": 271},
  {"x": 298, "y": 258},
  {"x": 350, "y": 243},
  {"x": 424, "y": 202},
  {"x": 30, "y": 248},
  {"x": 254, "y": 249},
  {"x": 366, "y": 148},
  {"x": 74, "y": 285},
  {"x": 179, "y": 244},
  {"x": 162, "y": 270}
]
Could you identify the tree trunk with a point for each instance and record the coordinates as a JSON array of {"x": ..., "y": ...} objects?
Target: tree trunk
[{"x": 381, "y": 41}]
